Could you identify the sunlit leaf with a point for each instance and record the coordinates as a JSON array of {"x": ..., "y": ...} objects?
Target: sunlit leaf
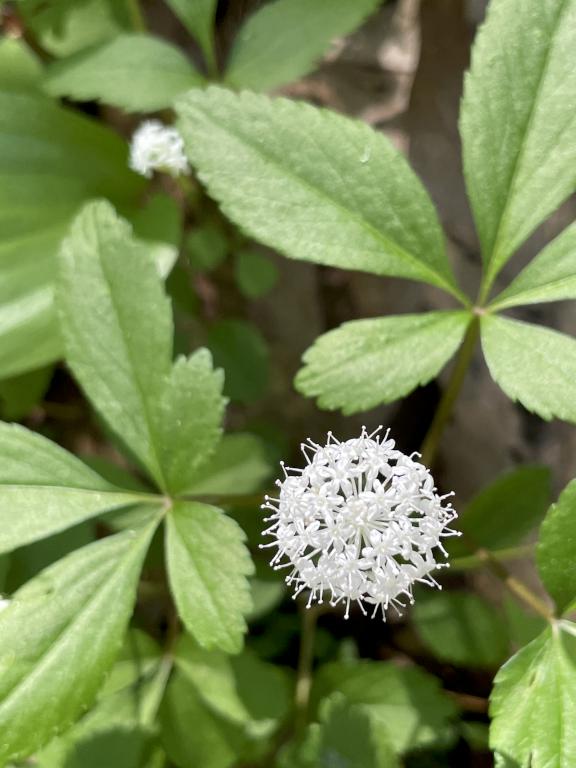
[{"x": 314, "y": 185}]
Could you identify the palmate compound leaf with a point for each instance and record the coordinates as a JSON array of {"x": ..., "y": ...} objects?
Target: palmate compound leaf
[
  {"x": 550, "y": 276},
  {"x": 534, "y": 365},
  {"x": 208, "y": 565},
  {"x": 533, "y": 703},
  {"x": 314, "y": 185},
  {"x": 518, "y": 122},
  {"x": 119, "y": 346},
  {"x": 136, "y": 72},
  {"x": 44, "y": 489},
  {"x": 60, "y": 635},
  {"x": 271, "y": 50},
  {"x": 51, "y": 162},
  {"x": 556, "y": 550},
  {"x": 368, "y": 362}
]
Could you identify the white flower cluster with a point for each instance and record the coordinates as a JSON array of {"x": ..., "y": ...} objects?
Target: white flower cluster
[
  {"x": 157, "y": 147},
  {"x": 362, "y": 521}
]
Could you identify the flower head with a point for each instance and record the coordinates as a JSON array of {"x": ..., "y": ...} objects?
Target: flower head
[
  {"x": 361, "y": 522},
  {"x": 157, "y": 147}
]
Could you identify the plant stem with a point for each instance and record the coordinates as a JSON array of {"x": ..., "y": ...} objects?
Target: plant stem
[
  {"x": 309, "y": 618},
  {"x": 444, "y": 410},
  {"x": 136, "y": 15},
  {"x": 468, "y": 562},
  {"x": 468, "y": 702},
  {"x": 517, "y": 587}
]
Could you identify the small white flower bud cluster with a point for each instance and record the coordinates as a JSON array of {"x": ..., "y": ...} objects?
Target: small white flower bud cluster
[
  {"x": 362, "y": 521},
  {"x": 157, "y": 147}
]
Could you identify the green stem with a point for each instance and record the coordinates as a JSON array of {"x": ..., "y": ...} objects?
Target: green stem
[
  {"x": 520, "y": 590},
  {"x": 304, "y": 673},
  {"x": 444, "y": 410},
  {"x": 468, "y": 562},
  {"x": 136, "y": 15}
]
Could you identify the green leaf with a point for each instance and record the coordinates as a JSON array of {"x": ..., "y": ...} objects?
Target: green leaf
[
  {"x": 4, "y": 570},
  {"x": 44, "y": 489},
  {"x": 476, "y": 734},
  {"x": 118, "y": 340},
  {"x": 267, "y": 594},
  {"x": 190, "y": 411},
  {"x": 255, "y": 274},
  {"x": 533, "y": 704},
  {"x": 236, "y": 705},
  {"x": 241, "y": 689},
  {"x": 515, "y": 350},
  {"x": 302, "y": 753},
  {"x": 189, "y": 732},
  {"x": 314, "y": 185},
  {"x": 20, "y": 394},
  {"x": 47, "y": 16},
  {"x": 159, "y": 221},
  {"x": 115, "y": 730},
  {"x": 121, "y": 746},
  {"x": 504, "y": 512},
  {"x": 523, "y": 625},
  {"x": 211, "y": 600},
  {"x": 462, "y": 629},
  {"x": 350, "y": 737},
  {"x": 240, "y": 349},
  {"x": 347, "y": 736},
  {"x": 53, "y": 625},
  {"x": 87, "y": 23},
  {"x": 405, "y": 702},
  {"x": 169, "y": 416},
  {"x": 207, "y": 247},
  {"x": 368, "y": 362},
  {"x": 238, "y": 466},
  {"x": 271, "y": 50},
  {"x": 518, "y": 123},
  {"x": 137, "y": 73},
  {"x": 51, "y": 161},
  {"x": 551, "y": 276},
  {"x": 20, "y": 70},
  {"x": 556, "y": 550},
  {"x": 198, "y": 17},
  {"x": 29, "y": 560}
]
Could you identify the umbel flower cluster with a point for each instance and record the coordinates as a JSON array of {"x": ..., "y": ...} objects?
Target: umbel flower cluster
[
  {"x": 361, "y": 522},
  {"x": 157, "y": 147}
]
